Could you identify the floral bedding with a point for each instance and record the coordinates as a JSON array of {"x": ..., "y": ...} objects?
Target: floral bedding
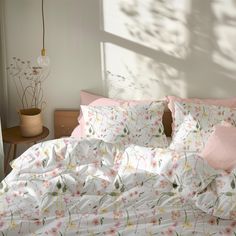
[
  {"x": 139, "y": 124},
  {"x": 89, "y": 187},
  {"x": 194, "y": 123}
]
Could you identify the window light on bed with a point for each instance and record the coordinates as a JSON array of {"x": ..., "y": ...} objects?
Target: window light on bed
[{"x": 43, "y": 60}]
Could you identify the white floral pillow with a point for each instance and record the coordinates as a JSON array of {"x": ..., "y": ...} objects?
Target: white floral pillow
[
  {"x": 137, "y": 124},
  {"x": 195, "y": 122}
]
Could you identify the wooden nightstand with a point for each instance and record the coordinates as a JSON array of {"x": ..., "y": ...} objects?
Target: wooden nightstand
[
  {"x": 13, "y": 137},
  {"x": 64, "y": 122}
]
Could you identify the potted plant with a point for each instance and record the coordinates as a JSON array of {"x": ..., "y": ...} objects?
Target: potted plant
[{"x": 28, "y": 83}]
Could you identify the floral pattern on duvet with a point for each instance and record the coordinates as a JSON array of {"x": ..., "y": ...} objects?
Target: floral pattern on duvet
[{"x": 66, "y": 187}]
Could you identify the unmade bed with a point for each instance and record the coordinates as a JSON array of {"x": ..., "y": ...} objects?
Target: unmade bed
[{"x": 124, "y": 179}]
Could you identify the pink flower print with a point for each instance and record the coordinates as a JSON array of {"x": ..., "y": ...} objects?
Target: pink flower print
[
  {"x": 163, "y": 183},
  {"x": 104, "y": 183},
  {"x": 66, "y": 200},
  {"x": 53, "y": 231},
  {"x": 59, "y": 213},
  {"x": 212, "y": 221},
  {"x": 117, "y": 214},
  {"x": 117, "y": 224},
  {"x": 154, "y": 220},
  {"x": 46, "y": 183},
  {"x": 8, "y": 200},
  {"x": 59, "y": 224},
  {"x": 233, "y": 215},
  {"x": 95, "y": 221},
  {"x": 111, "y": 231},
  {"x": 112, "y": 173},
  {"x": 1, "y": 224},
  {"x": 175, "y": 166},
  {"x": 37, "y": 222},
  {"x": 175, "y": 215},
  {"x": 233, "y": 224},
  {"x": 170, "y": 231},
  {"x": 169, "y": 173},
  {"x": 38, "y": 163},
  {"x": 228, "y": 231},
  {"x": 154, "y": 164}
]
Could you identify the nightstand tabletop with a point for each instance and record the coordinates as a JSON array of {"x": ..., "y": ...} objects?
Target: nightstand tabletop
[{"x": 13, "y": 136}]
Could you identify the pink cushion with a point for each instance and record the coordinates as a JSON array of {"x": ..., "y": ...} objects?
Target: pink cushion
[
  {"x": 220, "y": 149},
  {"x": 87, "y": 98}
]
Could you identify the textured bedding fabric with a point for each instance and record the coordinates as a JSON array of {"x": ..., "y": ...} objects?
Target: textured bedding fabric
[{"x": 69, "y": 187}]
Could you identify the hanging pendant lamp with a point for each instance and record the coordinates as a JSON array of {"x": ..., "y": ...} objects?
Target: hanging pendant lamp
[{"x": 43, "y": 60}]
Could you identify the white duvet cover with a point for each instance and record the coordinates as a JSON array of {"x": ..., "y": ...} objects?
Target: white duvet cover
[{"x": 68, "y": 187}]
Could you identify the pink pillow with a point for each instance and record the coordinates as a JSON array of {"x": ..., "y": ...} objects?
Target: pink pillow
[
  {"x": 220, "y": 149},
  {"x": 87, "y": 98}
]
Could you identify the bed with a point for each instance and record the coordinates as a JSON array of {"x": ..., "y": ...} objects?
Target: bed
[{"x": 90, "y": 186}]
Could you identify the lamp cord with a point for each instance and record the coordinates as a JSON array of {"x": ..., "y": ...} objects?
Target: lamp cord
[{"x": 43, "y": 23}]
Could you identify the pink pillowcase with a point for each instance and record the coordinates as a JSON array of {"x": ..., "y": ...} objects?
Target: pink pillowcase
[
  {"x": 87, "y": 98},
  {"x": 220, "y": 149}
]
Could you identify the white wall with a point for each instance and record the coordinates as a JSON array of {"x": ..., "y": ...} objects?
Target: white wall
[
  {"x": 71, "y": 44},
  {"x": 152, "y": 68}
]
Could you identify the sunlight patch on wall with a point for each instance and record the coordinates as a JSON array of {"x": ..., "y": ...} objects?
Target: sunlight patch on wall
[
  {"x": 225, "y": 32},
  {"x": 129, "y": 75},
  {"x": 160, "y": 25}
]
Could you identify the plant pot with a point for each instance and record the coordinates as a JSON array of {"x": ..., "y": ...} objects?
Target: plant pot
[{"x": 31, "y": 122}]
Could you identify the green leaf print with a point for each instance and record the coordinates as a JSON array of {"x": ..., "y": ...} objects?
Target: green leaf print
[
  {"x": 232, "y": 184},
  {"x": 114, "y": 194},
  {"x": 117, "y": 184},
  {"x": 44, "y": 162},
  {"x": 58, "y": 184},
  {"x": 122, "y": 189},
  {"x": 64, "y": 189},
  {"x": 175, "y": 185},
  {"x": 54, "y": 194},
  {"x": 101, "y": 220},
  {"x": 229, "y": 194}
]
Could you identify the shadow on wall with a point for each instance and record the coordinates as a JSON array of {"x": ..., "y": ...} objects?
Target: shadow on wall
[{"x": 181, "y": 47}]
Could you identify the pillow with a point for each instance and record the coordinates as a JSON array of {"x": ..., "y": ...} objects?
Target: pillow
[
  {"x": 87, "y": 98},
  {"x": 194, "y": 123},
  {"x": 227, "y": 102},
  {"x": 137, "y": 124},
  {"x": 220, "y": 149}
]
